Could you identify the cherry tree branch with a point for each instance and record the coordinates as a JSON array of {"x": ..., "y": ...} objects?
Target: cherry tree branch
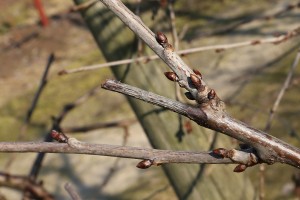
[
  {"x": 269, "y": 148},
  {"x": 112, "y": 124},
  {"x": 282, "y": 90},
  {"x": 218, "y": 48},
  {"x": 210, "y": 112},
  {"x": 73, "y": 146},
  {"x": 56, "y": 125}
]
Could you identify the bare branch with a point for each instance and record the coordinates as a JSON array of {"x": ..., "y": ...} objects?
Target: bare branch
[
  {"x": 270, "y": 118},
  {"x": 173, "y": 26},
  {"x": 282, "y": 91},
  {"x": 269, "y": 148},
  {"x": 211, "y": 112},
  {"x": 83, "y": 6},
  {"x": 42, "y": 85},
  {"x": 76, "y": 147},
  {"x": 56, "y": 125},
  {"x": 121, "y": 123},
  {"x": 218, "y": 48},
  {"x": 30, "y": 111},
  {"x": 72, "y": 192},
  {"x": 23, "y": 183}
]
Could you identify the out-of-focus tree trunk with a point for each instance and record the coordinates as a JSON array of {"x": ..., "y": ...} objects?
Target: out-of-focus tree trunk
[{"x": 163, "y": 127}]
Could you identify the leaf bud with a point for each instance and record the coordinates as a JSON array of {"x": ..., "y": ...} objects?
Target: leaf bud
[
  {"x": 161, "y": 38},
  {"x": 211, "y": 94},
  {"x": 144, "y": 164},
  {"x": 240, "y": 168},
  {"x": 171, "y": 76},
  {"x": 59, "y": 137}
]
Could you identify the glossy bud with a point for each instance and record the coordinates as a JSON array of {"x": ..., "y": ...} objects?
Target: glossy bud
[
  {"x": 59, "y": 137},
  {"x": 220, "y": 152},
  {"x": 196, "y": 81},
  {"x": 197, "y": 72},
  {"x": 171, "y": 76},
  {"x": 240, "y": 168},
  {"x": 211, "y": 94},
  {"x": 144, "y": 164},
  {"x": 161, "y": 38}
]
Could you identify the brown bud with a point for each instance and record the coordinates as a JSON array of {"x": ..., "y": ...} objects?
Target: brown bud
[
  {"x": 240, "y": 168},
  {"x": 161, "y": 38},
  {"x": 196, "y": 81},
  {"x": 255, "y": 42},
  {"x": 219, "y": 50},
  {"x": 211, "y": 94},
  {"x": 59, "y": 137},
  {"x": 220, "y": 152},
  {"x": 144, "y": 164},
  {"x": 62, "y": 72},
  {"x": 197, "y": 72},
  {"x": 189, "y": 96},
  {"x": 171, "y": 76},
  {"x": 188, "y": 126}
]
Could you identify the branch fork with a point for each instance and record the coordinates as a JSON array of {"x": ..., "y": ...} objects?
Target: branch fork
[{"x": 244, "y": 157}]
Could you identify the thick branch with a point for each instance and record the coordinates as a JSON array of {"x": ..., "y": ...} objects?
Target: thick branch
[{"x": 269, "y": 148}]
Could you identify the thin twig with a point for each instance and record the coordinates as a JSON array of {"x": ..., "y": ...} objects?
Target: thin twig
[
  {"x": 30, "y": 111},
  {"x": 56, "y": 125},
  {"x": 19, "y": 43},
  {"x": 83, "y": 6},
  {"x": 217, "y": 48},
  {"x": 72, "y": 192},
  {"x": 173, "y": 25},
  {"x": 114, "y": 167},
  {"x": 282, "y": 91},
  {"x": 42, "y": 85},
  {"x": 211, "y": 112},
  {"x": 23, "y": 183},
  {"x": 76, "y": 147},
  {"x": 140, "y": 44},
  {"x": 274, "y": 108},
  {"x": 112, "y": 124},
  {"x": 249, "y": 20}
]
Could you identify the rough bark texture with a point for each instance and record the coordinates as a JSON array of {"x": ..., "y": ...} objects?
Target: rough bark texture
[{"x": 163, "y": 127}]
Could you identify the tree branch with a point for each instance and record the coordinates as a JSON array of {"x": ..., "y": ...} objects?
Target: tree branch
[
  {"x": 211, "y": 112},
  {"x": 282, "y": 91},
  {"x": 36, "y": 190},
  {"x": 74, "y": 146},
  {"x": 72, "y": 192},
  {"x": 218, "y": 48},
  {"x": 269, "y": 148}
]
